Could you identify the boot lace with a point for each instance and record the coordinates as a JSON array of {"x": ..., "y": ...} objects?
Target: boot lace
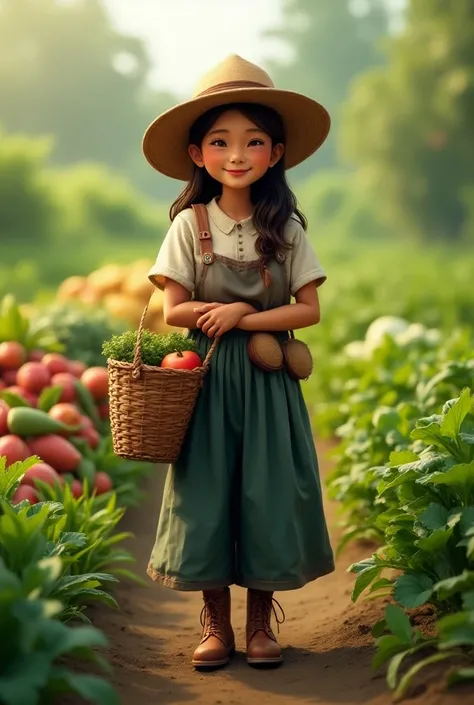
[
  {"x": 262, "y": 609},
  {"x": 213, "y": 619}
]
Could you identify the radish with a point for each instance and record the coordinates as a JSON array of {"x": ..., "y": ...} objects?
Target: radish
[
  {"x": 25, "y": 492},
  {"x": 40, "y": 471},
  {"x": 14, "y": 449}
]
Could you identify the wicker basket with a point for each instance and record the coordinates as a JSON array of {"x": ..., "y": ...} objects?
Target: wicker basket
[{"x": 150, "y": 407}]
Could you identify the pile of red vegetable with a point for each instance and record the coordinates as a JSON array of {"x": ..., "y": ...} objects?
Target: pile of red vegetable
[{"x": 54, "y": 408}]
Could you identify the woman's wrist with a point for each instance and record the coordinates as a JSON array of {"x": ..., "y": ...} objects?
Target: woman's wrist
[{"x": 244, "y": 308}]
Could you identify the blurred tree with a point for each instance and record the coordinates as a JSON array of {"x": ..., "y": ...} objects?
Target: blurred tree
[
  {"x": 331, "y": 42},
  {"x": 409, "y": 126},
  {"x": 54, "y": 208},
  {"x": 28, "y": 211},
  {"x": 64, "y": 70}
]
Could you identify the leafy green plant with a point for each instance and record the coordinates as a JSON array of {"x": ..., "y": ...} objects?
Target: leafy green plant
[
  {"x": 388, "y": 390},
  {"x": 80, "y": 329},
  {"x": 428, "y": 550},
  {"x": 31, "y": 670},
  {"x": 154, "y": 346},
  {"x": 97, "y": 522},
  {"x": 14, "y": 325}
]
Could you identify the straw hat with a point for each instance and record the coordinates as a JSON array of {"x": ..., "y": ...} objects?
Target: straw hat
[{"x": 165, "y": 144}]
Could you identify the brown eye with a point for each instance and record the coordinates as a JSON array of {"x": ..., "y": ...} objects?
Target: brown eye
[
  {"x": 256, "y": 143},
  {"x": 218, "y": 143}
]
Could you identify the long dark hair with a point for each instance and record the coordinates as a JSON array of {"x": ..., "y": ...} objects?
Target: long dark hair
[{"x": 271, "y": 195}]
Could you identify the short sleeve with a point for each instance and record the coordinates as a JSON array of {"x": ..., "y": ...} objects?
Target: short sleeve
[
  {"x": 305, "y": 266},
  {"x": 176, "y": 257}
]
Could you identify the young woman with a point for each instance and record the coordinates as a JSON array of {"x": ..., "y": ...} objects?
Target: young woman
[{"x": 242, "y": 505}]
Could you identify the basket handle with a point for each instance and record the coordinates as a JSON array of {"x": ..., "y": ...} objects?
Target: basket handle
[{"x": 137, "y": 358}]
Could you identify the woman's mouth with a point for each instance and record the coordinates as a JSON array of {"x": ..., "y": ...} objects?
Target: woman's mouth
[{"x": 237, "y": 172}]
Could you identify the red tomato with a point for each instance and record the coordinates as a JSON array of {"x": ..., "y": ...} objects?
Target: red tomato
[
  {"x": 33, "y": 376},
  {"x": 9, "y": 377},
  {"x": 186, "y": 360},
  {"x": 86, "y": 422},
  {"x": 55, "y": 363},
  {"x": 65, "y": 380},
  {"x": 96, "y": 379},
  {"x": 90, "y": 435},
  {"x": 36, "y": 355},
  {"x": 4, "y": 409},
  {"x": 12, "y": 355},
  {"x": 77, "y": 368},
  {"x": 104, "y": 410},
  {"x": 103, "y": 483},
  {"x": 77, "y": 489},
  {"x": 66, "y": 413}
]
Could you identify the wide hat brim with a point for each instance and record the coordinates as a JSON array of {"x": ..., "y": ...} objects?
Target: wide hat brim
[{"x": 166, "y": 140}]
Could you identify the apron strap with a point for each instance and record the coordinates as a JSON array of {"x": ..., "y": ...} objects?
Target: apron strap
[{"x": 205, "y": 238}]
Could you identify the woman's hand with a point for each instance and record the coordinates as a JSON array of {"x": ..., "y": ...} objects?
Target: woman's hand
[{"x": 217, "y": 319}]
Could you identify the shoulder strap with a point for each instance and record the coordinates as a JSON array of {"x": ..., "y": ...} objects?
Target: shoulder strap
[{"x": 205, "y": 239}]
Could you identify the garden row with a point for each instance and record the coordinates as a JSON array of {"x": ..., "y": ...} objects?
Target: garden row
[
  {"x": 63, "y": 493},
  {"x": 402, "y": 407}
]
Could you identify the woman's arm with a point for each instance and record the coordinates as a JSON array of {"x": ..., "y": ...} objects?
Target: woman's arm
[
  {"x": 303, "y": 313},
  {"x": 178, "y": 308},
  {"x": 181, "y": 311}
]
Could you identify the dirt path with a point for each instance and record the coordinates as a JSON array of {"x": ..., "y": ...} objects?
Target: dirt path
[{"x": 328, "y": 647}]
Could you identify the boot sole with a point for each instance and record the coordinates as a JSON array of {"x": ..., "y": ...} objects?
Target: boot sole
[
  {"x": 204, "y": 665},
  {"x": 265, "y": 663}
]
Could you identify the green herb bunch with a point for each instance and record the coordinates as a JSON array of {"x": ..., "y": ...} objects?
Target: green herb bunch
[{"x": 154, "y": 346}]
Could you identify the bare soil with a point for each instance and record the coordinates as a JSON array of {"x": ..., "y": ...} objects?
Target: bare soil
[{"x": 327, "y": 643}]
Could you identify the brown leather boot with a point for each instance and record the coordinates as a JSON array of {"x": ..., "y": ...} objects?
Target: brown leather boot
[
  {"x": 262, "y": 646},
  {"x": 217, "y": 641}
]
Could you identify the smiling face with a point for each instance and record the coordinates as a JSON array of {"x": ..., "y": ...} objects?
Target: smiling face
[{"x": 235, "y": 151}]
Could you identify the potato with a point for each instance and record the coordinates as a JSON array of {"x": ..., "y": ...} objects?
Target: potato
[
  {"x": 107, "y": 279},
  {"x": 125, "y": 307},
  {"x": 137, "y": 284},
  {"x": 71, "y": 288}
]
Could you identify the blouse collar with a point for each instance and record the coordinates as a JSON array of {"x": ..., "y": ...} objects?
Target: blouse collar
[{"x": 227, "y": 224}]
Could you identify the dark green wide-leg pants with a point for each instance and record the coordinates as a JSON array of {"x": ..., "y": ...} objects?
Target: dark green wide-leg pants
[{"x": 243, "y": 503}]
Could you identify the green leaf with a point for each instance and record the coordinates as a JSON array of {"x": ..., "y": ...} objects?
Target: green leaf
[
  {"x": 13, "y": 400},
  {"x": 67, "y": 640},
  {"x": 460, "y": 583},
  {"x": 467, "y": 519},
  {"x": 363, "y": 581},
  {"x": 467, "y": 438},
  {"x": 459, "y": 475},
  {"x": 414, "y": 670},
  {"x": 83, "y": 596},
  {"x": 461, "y": 675},
  {"x": 92, "y": 688},
  {"x": 399, "y": 623},
  {"x": 49, "y": 397},
  {"x": 25, "y": 679},
  {"x": 437, "y": 541},
  {"x": 434, "y": 517},
  {"x": 379, "y": 628},
  {"x": 413, "y": 590},
  {"x": 393, "y": 668},
  {"x": 387, "y": 646},
  {"x": 429, "y": 434},
  {"x": 402, "y": 457},
  {"x": 468, "y": 600},
  {"x": 453, "y": 418}
]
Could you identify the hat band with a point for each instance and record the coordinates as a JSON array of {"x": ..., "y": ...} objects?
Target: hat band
[{"x": 230, "y": 85}]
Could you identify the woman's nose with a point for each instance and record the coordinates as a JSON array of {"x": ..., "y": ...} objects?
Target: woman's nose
[{"x": 237, "y": 156}]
